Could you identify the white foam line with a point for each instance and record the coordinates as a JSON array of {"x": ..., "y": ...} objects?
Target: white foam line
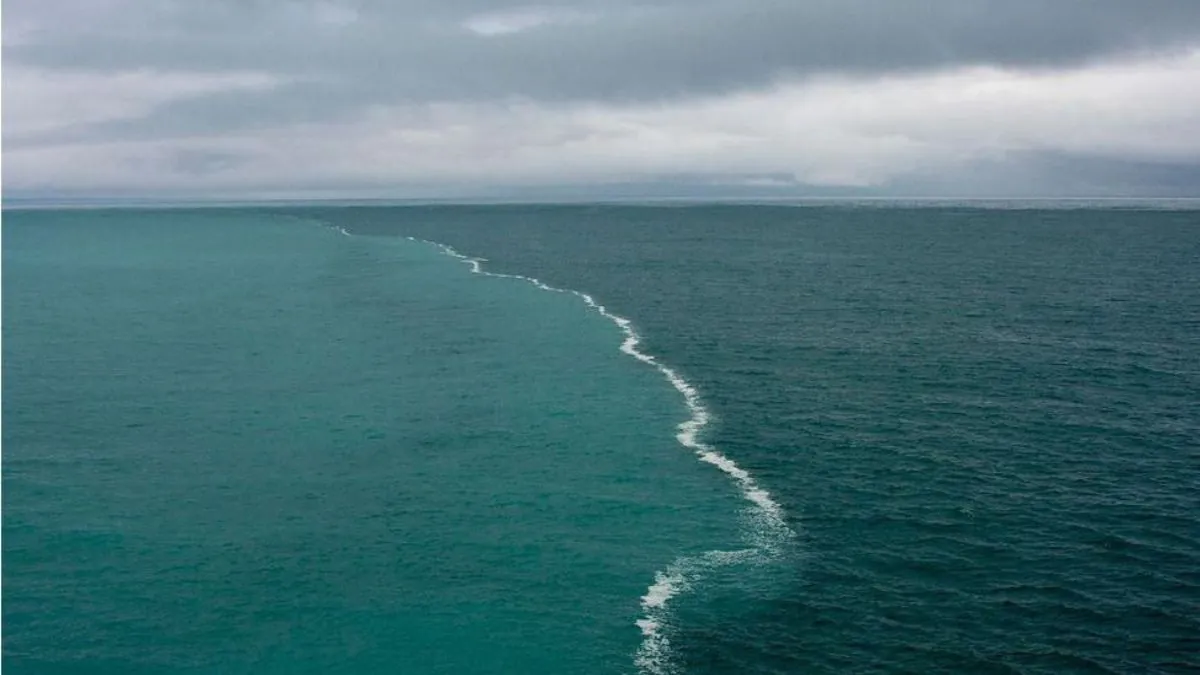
[{"x": 769, "y": 531}]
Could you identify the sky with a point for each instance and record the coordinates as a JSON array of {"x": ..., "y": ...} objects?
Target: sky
[{"x": 435, "y": 98}]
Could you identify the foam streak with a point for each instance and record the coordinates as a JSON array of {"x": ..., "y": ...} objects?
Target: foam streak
[{"x": 767, "y": 535}]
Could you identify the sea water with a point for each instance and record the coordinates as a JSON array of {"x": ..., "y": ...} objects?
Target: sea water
[
  {"x": 774, "y": 439},
  {"x": 982, "y": 419},
  {"x": 235, "y": 442}
]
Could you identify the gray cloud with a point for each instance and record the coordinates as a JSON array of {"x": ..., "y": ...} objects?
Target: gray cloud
[
  {"x": 231, "y": 86},
  {"x": 416, "y": 51}
]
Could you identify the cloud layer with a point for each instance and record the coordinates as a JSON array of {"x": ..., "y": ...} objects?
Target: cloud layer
[{"x": 403, "y": 97}]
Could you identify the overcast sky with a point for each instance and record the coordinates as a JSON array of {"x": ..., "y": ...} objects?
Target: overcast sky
[{"x": 430, "y": 97}]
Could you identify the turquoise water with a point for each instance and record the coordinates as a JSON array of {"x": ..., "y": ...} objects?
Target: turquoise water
[
  {"x": 966, "y": 440},
  {"x": 243, "y": 443}
]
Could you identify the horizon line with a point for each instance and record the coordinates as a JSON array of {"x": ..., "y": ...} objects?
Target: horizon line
[{"x": 119, "y": 202}]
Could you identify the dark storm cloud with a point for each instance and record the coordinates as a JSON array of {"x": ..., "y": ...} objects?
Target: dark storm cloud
[{"x": 415, "y": 51}]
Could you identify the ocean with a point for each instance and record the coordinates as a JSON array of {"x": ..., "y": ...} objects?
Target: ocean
[{"x": 814, "y": 438}]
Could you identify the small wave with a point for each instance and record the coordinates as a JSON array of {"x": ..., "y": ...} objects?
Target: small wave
[
  {"x": 336, "y": 228},
  {"x": 768, "y": 534}
]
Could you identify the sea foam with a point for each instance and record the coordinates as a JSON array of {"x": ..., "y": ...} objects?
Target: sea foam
[{"x": 767, "y": 533}]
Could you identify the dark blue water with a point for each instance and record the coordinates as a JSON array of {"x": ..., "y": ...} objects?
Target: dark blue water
[{"x": 239, "y": 441}]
